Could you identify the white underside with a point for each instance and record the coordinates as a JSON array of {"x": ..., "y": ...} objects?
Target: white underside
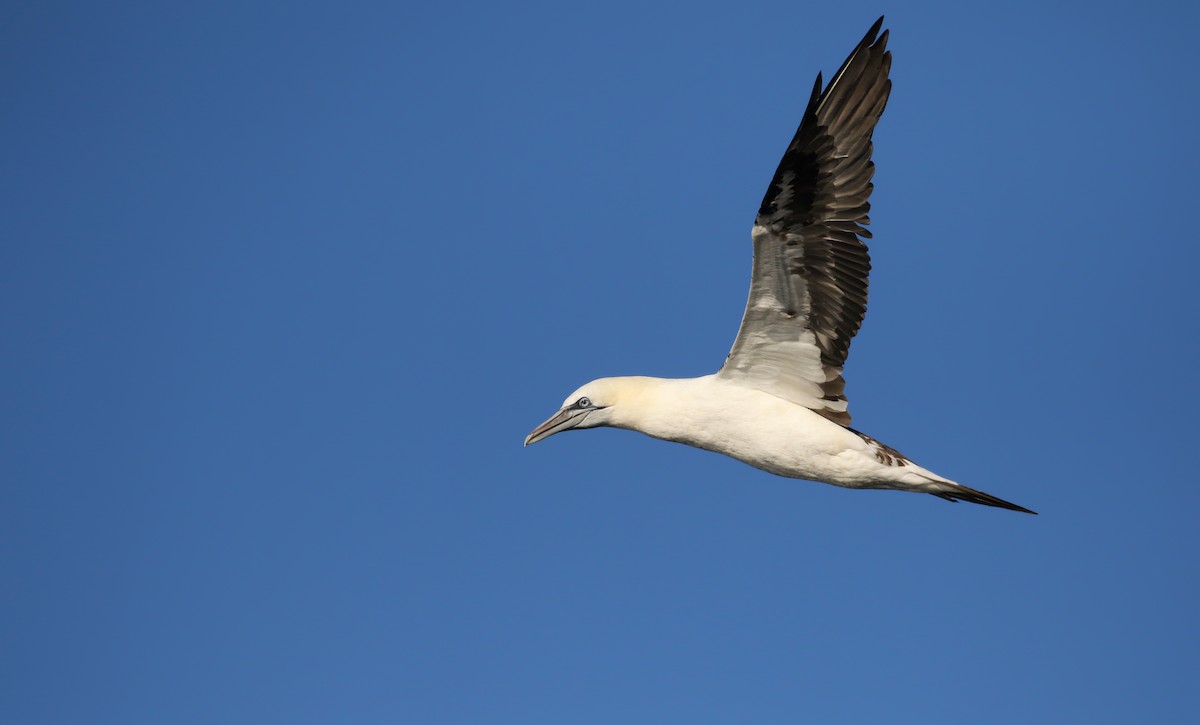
[{"x": 767, "y": 432}]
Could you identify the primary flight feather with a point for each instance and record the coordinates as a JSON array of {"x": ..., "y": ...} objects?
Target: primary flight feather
[{"x": 778, "y": 403}]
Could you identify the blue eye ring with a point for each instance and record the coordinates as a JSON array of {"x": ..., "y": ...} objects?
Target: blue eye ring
[{"x": 583, "y": 402}]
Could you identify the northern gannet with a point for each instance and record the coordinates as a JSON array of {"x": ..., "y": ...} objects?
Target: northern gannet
[{"x": 778, "y": 402}]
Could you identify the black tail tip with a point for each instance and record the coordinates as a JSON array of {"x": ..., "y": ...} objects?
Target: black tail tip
[{"x": 970, "y": 495}]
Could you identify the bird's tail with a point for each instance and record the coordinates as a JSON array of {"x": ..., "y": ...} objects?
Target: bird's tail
[{"x": 954, "y": 492}]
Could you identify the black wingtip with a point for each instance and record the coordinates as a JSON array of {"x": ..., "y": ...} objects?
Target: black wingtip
[
  {"x": 869, "y": 38},
  {"x": 873, "y": 39}
]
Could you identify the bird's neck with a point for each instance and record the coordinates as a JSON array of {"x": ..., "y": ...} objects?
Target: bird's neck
[{"x": 667, "y": 408}]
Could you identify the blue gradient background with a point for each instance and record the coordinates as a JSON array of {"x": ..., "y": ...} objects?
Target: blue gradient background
[{"x": 283, "y": 286}]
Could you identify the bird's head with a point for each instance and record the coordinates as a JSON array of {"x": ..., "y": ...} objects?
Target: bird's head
[{"x": 598, "y": 403}]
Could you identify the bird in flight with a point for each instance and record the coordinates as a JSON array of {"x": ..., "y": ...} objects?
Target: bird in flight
[{"x": 778, "y": 403}]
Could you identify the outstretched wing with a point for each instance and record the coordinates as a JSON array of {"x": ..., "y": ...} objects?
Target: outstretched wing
[{"x": 808, "y": 290}]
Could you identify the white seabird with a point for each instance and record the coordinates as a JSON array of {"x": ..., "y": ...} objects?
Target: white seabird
[{"x": 778, "y": 402}]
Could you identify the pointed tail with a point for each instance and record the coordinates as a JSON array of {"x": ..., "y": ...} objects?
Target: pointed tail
[{"x": 955, "y": 492}]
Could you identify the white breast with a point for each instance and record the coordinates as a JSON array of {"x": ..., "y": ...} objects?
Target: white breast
[{"x": 757, "y": 428}]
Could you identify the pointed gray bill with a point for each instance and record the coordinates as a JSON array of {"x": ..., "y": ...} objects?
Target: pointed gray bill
[{"x": 565, "y": 419}]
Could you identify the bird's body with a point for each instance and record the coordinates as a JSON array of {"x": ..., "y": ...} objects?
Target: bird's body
[
  {"x": 754, "y": 427},
  {"x": 778, "y": 402}
]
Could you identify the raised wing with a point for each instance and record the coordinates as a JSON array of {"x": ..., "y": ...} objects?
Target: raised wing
[{"x": 808, "y": 291}]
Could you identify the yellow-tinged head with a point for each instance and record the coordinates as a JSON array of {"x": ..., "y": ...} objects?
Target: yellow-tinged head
[{"x": 607, "y": 401}]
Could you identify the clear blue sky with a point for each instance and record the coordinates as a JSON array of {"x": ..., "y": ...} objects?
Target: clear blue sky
[{"x": 284, "y": 285}]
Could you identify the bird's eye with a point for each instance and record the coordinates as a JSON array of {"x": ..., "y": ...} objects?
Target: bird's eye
[{"x": 583, "y": 403}]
